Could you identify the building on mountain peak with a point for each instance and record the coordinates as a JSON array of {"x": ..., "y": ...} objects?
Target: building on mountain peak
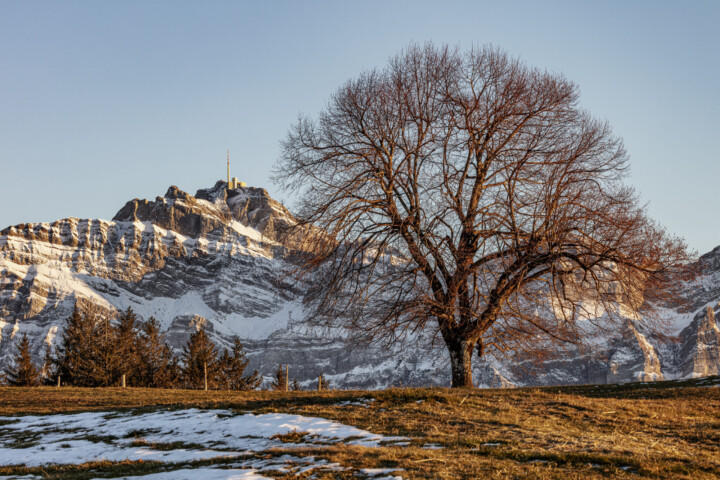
[{"x": 233, "y": 183}]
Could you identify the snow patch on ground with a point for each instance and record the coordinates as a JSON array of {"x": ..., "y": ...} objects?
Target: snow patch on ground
[
  {"x": 362, "y": 402},
  {"x": 93, "y": 436},
  {"x": 374, "y": 472},
  {"x": 202, "y": 474},
  {"x": 247, "y": 469},
  {"x": 432, "y": 446}
]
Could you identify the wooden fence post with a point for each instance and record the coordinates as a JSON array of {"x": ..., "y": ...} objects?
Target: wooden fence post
[
  {"x": 320, "y": 382},
  {"x": 123, "y": 381},
  {"x": 205, "y": 374},
  {"x": 59, "y": 380},
  {"x": 287, "y": 376}
]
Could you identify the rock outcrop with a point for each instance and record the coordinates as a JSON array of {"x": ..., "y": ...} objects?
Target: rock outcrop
[
  {"x": 700, "y": 346},
  {"x": 632, "y": 357}
]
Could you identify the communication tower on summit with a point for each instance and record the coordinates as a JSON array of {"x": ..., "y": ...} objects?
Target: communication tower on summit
[{"x": 233, "y": 183}]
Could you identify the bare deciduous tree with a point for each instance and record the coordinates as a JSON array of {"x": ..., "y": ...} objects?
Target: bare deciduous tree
[{"x": 470, "y": 194}]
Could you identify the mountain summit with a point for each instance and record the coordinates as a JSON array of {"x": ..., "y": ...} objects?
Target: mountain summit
[{"x": 210, "y": 210}]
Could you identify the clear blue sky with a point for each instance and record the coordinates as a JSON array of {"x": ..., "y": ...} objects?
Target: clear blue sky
[{"x": 101, "y": 102}]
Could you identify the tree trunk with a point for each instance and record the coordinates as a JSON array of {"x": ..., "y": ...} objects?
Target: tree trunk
[{"x": 461, "y": 352}]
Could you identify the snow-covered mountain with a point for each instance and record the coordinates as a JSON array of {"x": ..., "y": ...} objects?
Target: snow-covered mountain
[{"x": 218, "y": 256}]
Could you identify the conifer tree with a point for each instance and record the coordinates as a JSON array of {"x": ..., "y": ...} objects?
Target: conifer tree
[
  {"x": 49, "y": 371},
  {"x": 232, "y": 368},
  {"x": 173, "y": 374},
  {"x": 74, "y": 362},
  {"x": 295, "y": 385},
  {"x": 23, "y": 372},
  {"x": 200, "y": 354},
  {"x": 278, "y": 382},
  {"x": 157, "y": 367},
  {"x": 127, "y": 347},
  {"x": 106, "y": 358},
  {"x": 224, "y": 378}
]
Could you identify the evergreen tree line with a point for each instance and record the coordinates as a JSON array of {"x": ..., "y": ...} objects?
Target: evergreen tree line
[{"x": 96, "y": 351}]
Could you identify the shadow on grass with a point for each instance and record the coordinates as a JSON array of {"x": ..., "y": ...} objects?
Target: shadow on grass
[{"x": 696, "y": 387}]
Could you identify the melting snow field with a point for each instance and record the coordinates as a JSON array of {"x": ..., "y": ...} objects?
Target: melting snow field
[{"x": 178, "y": 437}]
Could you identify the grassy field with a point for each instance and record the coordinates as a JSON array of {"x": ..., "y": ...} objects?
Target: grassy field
[{"x": 661, "y": 430}]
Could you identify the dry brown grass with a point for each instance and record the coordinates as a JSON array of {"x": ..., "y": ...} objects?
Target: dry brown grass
[{"x": 666, "y": 430}]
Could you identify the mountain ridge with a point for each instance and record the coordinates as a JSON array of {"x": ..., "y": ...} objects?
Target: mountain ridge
[{"x": 221, "y": 253}]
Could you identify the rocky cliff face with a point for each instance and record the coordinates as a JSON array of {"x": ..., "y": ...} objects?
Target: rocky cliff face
[
  {"x": 177, "y": 256},
  {"x": 699, "y": 354},
  {"x": 219, "y": 256}
]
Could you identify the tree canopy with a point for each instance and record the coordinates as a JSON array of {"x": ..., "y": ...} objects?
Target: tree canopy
[{"x": 470, "y": 194}]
